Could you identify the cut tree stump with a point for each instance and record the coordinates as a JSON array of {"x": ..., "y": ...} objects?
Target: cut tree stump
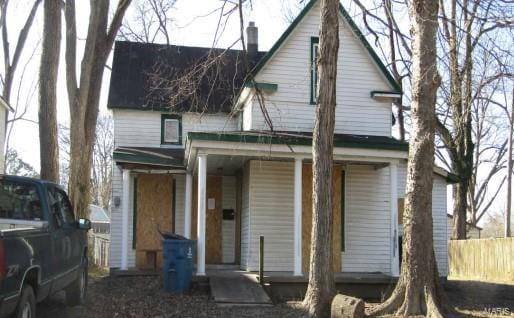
[{"x": 347, "y": 307}]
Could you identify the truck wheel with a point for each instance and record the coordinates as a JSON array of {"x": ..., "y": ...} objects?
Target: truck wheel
[
  {"x": 27, "y": 305},
  {"x": 76, "y": 292}
]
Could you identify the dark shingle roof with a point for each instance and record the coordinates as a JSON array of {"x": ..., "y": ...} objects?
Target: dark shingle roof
[{"x": 175, "y": 78}]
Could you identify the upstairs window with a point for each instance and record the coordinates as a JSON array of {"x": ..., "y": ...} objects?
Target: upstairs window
[
  {"x": 314, "y": 69},
  {"x": 171, "y": 130}
]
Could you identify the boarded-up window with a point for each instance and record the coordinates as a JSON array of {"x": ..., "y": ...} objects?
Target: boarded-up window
[
  {"x": 170, "y": 130},
  {"x": 400, "y": 210}
]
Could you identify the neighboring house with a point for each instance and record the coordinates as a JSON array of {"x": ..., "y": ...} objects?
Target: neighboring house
[
  {"x": 210, "y": 167},
  {"x": 472, "y": 231},
  {"x": 99, "y": 235},
  {"x": 4, "y": 111}
]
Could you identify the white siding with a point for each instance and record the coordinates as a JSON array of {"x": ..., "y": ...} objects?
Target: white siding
[
  {"x": 116, "y": 215},
  {"x": 180, "y": 185},
  {"x": 271, "y": 197},
  {"x": 207, "y": 122},
  {"x": 245, "y": 217},
  {"x": 440, "y": 224},
  {"x": 289, "y": 68},
  {"x": 133, "y": 128},
  {"x": 137, "y": 128},
  {"x": 368, "y": 233},
  {"x": 439, "y": 215},
  {"x": 228, "y": 226}
]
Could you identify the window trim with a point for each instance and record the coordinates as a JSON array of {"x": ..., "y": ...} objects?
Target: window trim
[
  {"x": 164, "y": 117},
  {"x": 313, "y": 70}
]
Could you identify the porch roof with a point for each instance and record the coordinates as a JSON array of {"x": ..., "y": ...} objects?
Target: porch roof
[
  {"x": 301, "y": 139},
  {"x": 157, "y": 158}
]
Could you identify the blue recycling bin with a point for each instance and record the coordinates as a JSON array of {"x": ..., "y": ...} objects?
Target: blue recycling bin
[{"x": 177, "y": 263}]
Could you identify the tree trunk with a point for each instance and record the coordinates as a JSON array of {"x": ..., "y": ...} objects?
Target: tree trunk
[
  {"x": 48, "y": 137},
  {"x": 507, "y": 231},
  {"x": 460, "y": 203},
  {"x": 84, "y": 96},
  {"x": 321, "y": 286},
  {"x": 417, "y": 291}
]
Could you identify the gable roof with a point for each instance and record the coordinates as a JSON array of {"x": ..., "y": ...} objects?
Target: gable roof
[
  {"x": 356, "y": 31},
  {"x": 149, "y": 76}
]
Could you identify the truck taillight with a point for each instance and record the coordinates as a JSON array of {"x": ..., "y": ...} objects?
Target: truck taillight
[{"x": 3, "y": 267}]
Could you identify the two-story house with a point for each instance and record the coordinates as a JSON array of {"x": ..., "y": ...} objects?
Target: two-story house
[{"x": 224, "y": 160}]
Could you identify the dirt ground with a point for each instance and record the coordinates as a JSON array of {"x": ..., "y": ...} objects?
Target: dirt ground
[{"x": 142, "y": 296}]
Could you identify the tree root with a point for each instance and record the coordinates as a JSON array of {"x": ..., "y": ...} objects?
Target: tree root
[{"x": 407, "y": 301}]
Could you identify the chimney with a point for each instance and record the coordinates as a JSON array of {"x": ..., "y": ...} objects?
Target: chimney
[{"x": 252, "y": 35}]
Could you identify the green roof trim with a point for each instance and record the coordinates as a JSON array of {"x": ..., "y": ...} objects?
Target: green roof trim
[
  {"x": 268, "y": 87},
  {"x": 394, "y": 84},
  {"x": 339, "y": 141},
  {"x": 146, "y": 159}
]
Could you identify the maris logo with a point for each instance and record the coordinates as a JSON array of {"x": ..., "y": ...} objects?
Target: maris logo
[{"x": 499, "y": 311}]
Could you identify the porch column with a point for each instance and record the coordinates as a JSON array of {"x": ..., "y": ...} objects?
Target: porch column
[
  {"x": 125, "y": 218},
  {"x": 202, "y": 199},
  {"x": 297, "y": 216},
  {"x": 187, "y": 205},
  {"x": 395, "y": 267}
]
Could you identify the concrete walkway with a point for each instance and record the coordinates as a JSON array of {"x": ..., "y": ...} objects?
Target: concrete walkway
[{"x": 237, "y": 288}]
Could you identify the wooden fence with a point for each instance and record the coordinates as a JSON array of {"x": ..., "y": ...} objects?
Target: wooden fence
[{"x": 483, "y": 260}]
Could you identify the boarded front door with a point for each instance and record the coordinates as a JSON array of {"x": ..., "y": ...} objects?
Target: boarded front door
[
  {"x": 307, "y": 217},
  {"x": 154, "y": 213},
  {"x": 214, "y": 218}
]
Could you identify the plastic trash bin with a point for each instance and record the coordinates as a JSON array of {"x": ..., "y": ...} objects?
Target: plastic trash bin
[{"x": 177, "y": 263}]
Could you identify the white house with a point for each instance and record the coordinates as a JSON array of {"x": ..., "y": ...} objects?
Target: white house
[
  {"x": 202, "y": 161},
  {"x": 4, "y": 111}
]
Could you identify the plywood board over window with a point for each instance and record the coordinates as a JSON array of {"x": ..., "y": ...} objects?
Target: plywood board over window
[
  {"x": 154, "y": 214},
  {"x": 307, "y": 216}
]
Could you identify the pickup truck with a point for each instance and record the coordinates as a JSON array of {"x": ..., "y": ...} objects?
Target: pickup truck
[{"x": 43, "y": 249}]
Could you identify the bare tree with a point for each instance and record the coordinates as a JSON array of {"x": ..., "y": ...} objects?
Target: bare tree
[
  {"x": 16, "y": 166},
  {"x": 321, "y": 288},
  {"x": 11, "y": 63},
  {"x": 84, "y": 93},
  {"x": 102, "y": 162},
  {"x": 417, "y": 291},
  {"x": 150, "y": 23},
  {"x": 48, "y": 145}
]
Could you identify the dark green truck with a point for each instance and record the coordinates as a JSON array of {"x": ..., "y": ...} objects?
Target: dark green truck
[{"x": 43, "y": 249}]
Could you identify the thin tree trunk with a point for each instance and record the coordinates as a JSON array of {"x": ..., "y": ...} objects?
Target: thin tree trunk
[
  {"x": 507, "y": 231},
  {"x": 48, "y": 137},
  {"x": 321, "y": 288},
  {"x": 417, "y": 291}
]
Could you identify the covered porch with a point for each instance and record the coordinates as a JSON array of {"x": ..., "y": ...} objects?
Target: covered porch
[
  {"x": 274, "y": 185},
  {"x": 226, "y": 190}
]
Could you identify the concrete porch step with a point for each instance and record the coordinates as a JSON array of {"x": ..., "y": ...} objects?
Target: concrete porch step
[{"x": 237, "y": 290}]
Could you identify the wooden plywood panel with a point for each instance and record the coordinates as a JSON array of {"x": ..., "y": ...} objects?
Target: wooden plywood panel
[
  {"x": 214, "y": 219},
  {"x": 307, "y": 217},
  {"x": 154, "y": 214},
  {"x": 213, "y": 247}
]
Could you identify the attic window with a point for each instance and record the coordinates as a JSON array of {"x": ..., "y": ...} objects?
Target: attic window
[
  {"x": 171, "y": 133},
  {"x": 314, "y": 69}
]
